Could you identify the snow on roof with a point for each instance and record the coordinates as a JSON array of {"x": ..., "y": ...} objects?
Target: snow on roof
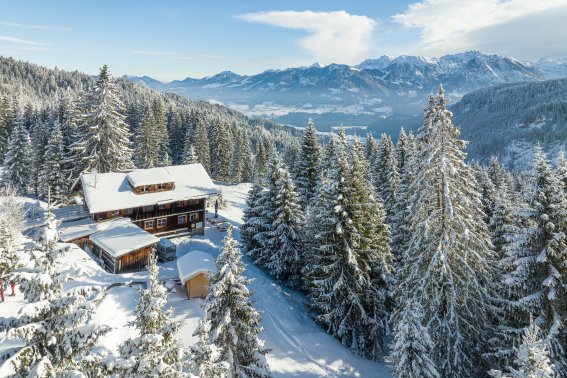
[
  {"x": 86, "y": 227},
  {"x": 123, "y": 238},
  {"x": 166, "y": 243},
  {"x": 193, "y": 263},
  {"x": 113, "y": 191},
  {"x": 150, "y": 176}
]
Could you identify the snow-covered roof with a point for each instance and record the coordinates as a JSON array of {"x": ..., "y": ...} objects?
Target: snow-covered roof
[
  {"x": 86, "y": 227},
  {"x": 193, "y": 263},
  {"x": 113, "y": 191},
  {"x": 166, "y": 242},
  {"x": 150, "y": 176},
  {"x": 123, "y": 238}
]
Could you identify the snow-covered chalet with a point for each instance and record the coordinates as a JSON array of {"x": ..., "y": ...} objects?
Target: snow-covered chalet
[{"x": 130, "y": 210}]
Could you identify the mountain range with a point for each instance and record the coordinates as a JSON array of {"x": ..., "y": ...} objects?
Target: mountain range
[{"x": 381, "y": 94}]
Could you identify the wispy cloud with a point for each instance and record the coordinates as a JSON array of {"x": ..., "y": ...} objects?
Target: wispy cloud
[
  {"x": 455, "y": 25},
  {"x": 19, "y": 41},
  {"x": 33, "y": 26},
  {"x": 333, "y": 36},
  {"x": 150, "y": 52}
]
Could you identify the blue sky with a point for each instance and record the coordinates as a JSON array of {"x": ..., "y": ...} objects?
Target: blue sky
[{"x": 175, "y": 39}]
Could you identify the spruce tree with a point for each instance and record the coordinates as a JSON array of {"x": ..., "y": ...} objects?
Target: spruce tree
[
  {"x": 341, "y": 268},
  {"x": 385, "y": 176},
  {"x": 52, "y": 177},
  {"x": 247, "y": 164},
  {"x": 448, "y": 264},
  {"x": 402, "y": 146},
  {"x": 146, "y": 150},
  {"x": 5, "y": 125},
  {"x": 202, "y": 146},
  {"x": 261, "y": 166},
  {"x": 285, "y": 245},
  {"x": 157, "y": 350},
  {"x": 221, "y": 151},
  {"x": 160, "y": 135},
  {"x": 17, "y": 161},
  {"x": 413, "y": 345},
  {"x": 230, "y": 322},
  {"x": 540, "y": 276},
  {"x": 103, "y": 137},
  {"x": 11, "y": 224},
  {"x": 308, "y": 164}
]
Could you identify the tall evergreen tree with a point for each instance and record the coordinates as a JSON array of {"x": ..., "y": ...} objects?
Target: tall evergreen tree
[
  {"x": 103, "y": 137},
  {"x": 447, "y": 267},
  {"x": 221, "y": 151},
  {"x": 385, "y": 176},
  {"x": 161, "y": 135},
  {"x": 157, "y": 350},
  {"x": 252, "y": 218},
  {"x": 540, "y": 276},
  {"x": 146, "y": 150},
  {"x": 17, "y": 161},
  {"x": 308, "y": 164},
  {"x": 231, "y": 323},
  {"x": 202, "y": 146},
  {"x": 52, "y": 177},
  {"x": 261, "y": 166}
]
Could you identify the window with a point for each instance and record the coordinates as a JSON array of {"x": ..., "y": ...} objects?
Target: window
[
  {"x": 148, "y": 225},
  {"x": 182, "y": 219},
  {"x": 115, "y": 213},
  {"x": 144, "y": 189},
  {"x": 193, "y": 216},
  {"x": 159, "y": 186},
  {"x": 127, "y": 211},
  {"x": 148, "y": 208},
  {"x": 162, "y": 207},
  {"x": 162, "y": 222}
]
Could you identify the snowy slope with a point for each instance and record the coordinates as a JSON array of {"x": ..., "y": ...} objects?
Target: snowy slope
[{"x": 299, "y": 347}]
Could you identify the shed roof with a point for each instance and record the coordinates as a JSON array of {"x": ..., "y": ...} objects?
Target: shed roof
[
  {"x": 121, "y": 239},
  {"x": 193, "y": 263},
  {"x": 86, "y": 227},
  {"x": 113, "y": 191}
]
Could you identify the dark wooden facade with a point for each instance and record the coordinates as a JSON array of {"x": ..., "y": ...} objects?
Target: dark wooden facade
[
  {"x": 166, "y": 217},
  {"x": 134, "y": 261}
]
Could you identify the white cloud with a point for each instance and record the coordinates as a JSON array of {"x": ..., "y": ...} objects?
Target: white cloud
[
  {"x": 19, "y": 41},
  {"x": 32, "y": 26},
  {"x": 333, "y": 36},
  {"x": 456, "y": 25}
]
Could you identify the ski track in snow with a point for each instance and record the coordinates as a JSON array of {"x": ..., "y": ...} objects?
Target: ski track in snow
[{"x": 298, "y": 346}]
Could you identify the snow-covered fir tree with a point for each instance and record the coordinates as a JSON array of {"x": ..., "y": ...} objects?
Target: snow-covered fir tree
[
  {"x": 345, "y": 259},
  {"x": 5, "y": 124},
  {"x": 532, "y": 357},
  {"x": 202, "y": 147},
  {"x": 561, "y": 165},
  {"x": 103, "y": 142},
  {"x": 385, "y": 174},
  {"x": 230, "y": 322},
  {"x": 285, "y": 258},
  {"x": 205, "y": 357},
  {"x": 252, "y": 218},
  {"x": 157, "y": 350},
  {"x": 371, "y": 149},
  {"x": 52, "y": 179},
  {"x": 261, "y": 166},
  {"x": 145, "y": 152},
  {"x": 160, "y": 135},
  {"x": 55, "y": 325},
  {"x": 11, "y": 222},
  {"x": 308, "y": 165},
  {"x": 221, "y": 151},
  {"x": 447, "y": 267},
  {"x": 247, "y": 161},
  {"x": 190, "y": 156},
  {"x": 413, "y": 347},
  {"x": 17, "y": 160},
  {"x": 39, "y": 137},
  {"x": 540, "y": 277},
  {"x": 402, "y": 146}
]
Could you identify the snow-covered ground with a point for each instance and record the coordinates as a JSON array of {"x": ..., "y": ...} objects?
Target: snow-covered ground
[{"x": 299, "y": 347}]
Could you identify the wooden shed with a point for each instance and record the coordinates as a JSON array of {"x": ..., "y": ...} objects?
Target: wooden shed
[
  {"x": 124, "y": 247},
  {"x": 194, "y": 269}
]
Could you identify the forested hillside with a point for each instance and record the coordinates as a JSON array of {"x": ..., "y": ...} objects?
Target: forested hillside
[
  {"x": 509, "y": 120},
  {"x": 160, "y": 129}
]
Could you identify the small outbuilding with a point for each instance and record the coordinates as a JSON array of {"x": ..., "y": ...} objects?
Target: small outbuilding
[
  {"x": 194, "y": 269},
  {"x": 124, "y": 247},
  {"x": 166, "y": 250}
]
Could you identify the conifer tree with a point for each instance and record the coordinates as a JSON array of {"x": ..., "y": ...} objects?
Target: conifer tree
[
  {"x": 157, "y": 350},
  {"x": 11, "y": 222},
  {"x": 286, "y": 253},
  {"x": 54, "y": 327},
  {"x": 202, "y": 147},
  {"x": 5, "y": 125},
  {"x": 247, "y": 164},
  {"x": 495, "y": 172},
  {"x": 339, "y": 277},
  {"x": 371, "y": 149},
  {"x": 39, "y": 138},
  {"x": 385, "y": 175},
  {"x": 160, "y": 135},
  {"x": 540, "y": 276},
  {"x": 413, "y": 345},
  {"x": 230, "y": 323},
  {"x": 532, "y": 357},
  {"x": 261, "y": 166},
  {"x": 190, "y": 156},
  {"x": 562, "y": 168},
  {"x": 103, "y": 137},
  {"x": 448, "y": 265},
  {"x": 221, "y": 151},
  {"x": 308, "y": 164},
  {"x": 402, "y": 146},
  {"x": 252, "y": 218},
  {"x": 52, "y": 177},
  {"x": 146, "y": 150},
  {"x": 17, "y": 162}
]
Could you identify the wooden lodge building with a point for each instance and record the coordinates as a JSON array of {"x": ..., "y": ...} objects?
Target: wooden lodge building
[{"x": 130, "y": 210}]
